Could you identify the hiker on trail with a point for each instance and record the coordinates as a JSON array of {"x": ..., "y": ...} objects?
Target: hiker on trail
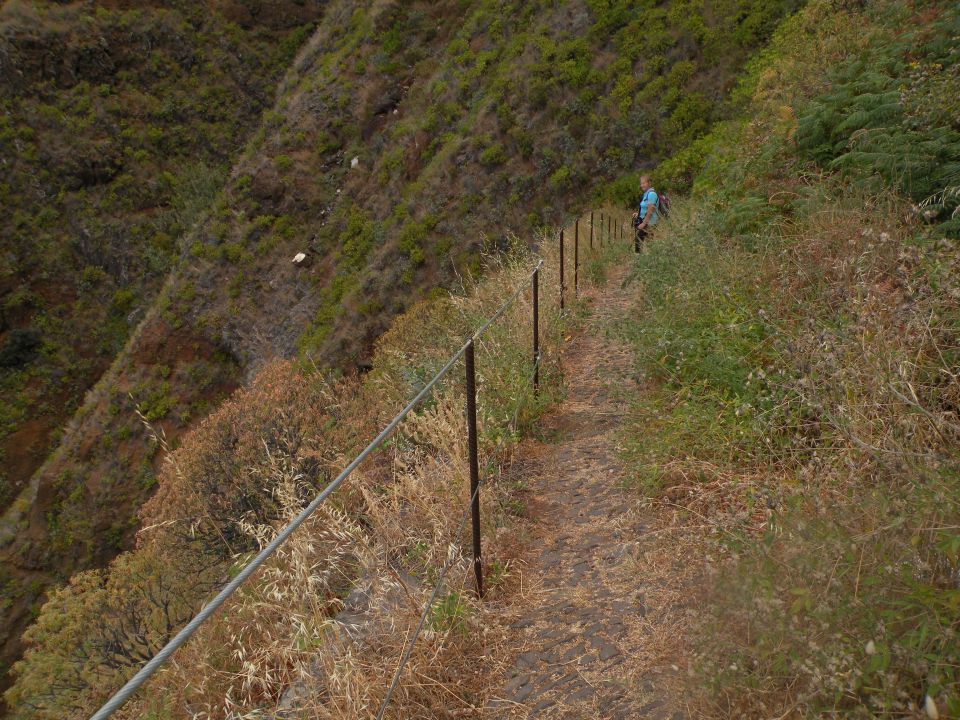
[{"x": 647, "y": 215}]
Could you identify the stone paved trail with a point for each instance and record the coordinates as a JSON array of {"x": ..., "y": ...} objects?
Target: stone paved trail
[{"x": 583, "y": 625}]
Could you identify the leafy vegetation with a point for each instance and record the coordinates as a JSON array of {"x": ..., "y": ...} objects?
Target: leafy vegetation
[
  {"x": 118, "y": 126},
  {"x": 404, "y": 138},
  {"x": 798, "y": 324},
  {"x": 892, "y": 119}
]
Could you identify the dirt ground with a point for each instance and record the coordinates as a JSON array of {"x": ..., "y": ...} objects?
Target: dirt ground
[{"x": 597, "y": 634}]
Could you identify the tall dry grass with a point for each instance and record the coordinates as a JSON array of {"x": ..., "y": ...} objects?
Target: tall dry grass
[
  {"x": 798, "y": 434},
  {"x": 318, "y": 631},
  {"x": 321, "y": 629}
]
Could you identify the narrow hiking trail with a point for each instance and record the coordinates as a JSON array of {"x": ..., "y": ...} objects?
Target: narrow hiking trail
[{"x": 585, "y": 627}]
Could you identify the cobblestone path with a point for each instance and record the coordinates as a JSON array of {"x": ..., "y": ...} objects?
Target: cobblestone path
[{"x": 582, "y": 629}]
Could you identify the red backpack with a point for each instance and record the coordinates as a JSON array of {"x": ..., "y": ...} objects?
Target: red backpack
[{"x": 663, "y": 204}]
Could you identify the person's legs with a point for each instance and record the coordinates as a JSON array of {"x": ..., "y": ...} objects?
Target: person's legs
[{"x": 641, "y": 235}]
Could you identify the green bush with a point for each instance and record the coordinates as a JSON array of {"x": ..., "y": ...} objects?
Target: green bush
[
  {"x": 493, "y": 155},
  {"x": 357, "y": 239},
  {"x": 561, "y": 179},
  {"x": 412, "y": 238},
  {"x": 123, "y": 301},
  {"x": 20, "y": 347}
]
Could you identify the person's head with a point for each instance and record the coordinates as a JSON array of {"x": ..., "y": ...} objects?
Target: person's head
[{"x": 645, "y": 183}]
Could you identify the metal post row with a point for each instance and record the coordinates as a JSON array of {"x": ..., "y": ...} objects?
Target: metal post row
[{"x": 468, "y": 353}]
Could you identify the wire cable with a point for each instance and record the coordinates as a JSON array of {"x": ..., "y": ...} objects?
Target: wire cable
[
  {"x": 507, "y": 304},
  {"x": 142, "y": 675}
]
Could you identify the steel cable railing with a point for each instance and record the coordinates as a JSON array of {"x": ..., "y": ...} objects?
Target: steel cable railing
[
  {"x": 151, "y": 667},
  {"x": 181, "y": 637},
  {"x": 408, "y": 645}
]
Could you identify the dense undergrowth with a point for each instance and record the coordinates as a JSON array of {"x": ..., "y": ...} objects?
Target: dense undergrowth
[
  {"x": 118, "y": 126},
  {"x": 377, "y": 545},
  {"x": 800, "y": 329}
]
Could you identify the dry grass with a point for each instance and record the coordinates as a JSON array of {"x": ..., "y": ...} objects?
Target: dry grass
[
  {"x": 319, "y": 631},
  {"x": 815, "y": 507},
  {"x": 821, "y": 519},
  {"x": 796, "y": 442}
]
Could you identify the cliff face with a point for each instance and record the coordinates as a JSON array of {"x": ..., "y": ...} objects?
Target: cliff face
[{"x": 404, "y": 138}]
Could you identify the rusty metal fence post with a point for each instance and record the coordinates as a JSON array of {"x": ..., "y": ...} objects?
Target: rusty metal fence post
[
  {"x": 561, "y": 269},
  {"x": 536, "y": 330},
  {"x": 591, "y": 229},
  {"x": 474, "y": 463},
  {"x": 576, "y": 258}
]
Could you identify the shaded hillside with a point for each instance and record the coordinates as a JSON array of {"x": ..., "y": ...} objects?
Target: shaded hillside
[
  {"x": 117, "y": 127},
  {"x": 403, "y": 134},
  {"x": 118, "y": 123}
]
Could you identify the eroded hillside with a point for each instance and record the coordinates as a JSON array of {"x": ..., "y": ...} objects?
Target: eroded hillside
[{"x": 117, "y": 128}]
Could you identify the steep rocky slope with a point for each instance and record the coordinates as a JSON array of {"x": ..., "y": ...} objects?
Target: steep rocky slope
[
  {"x": 117, "y": 126},
  {"x": 405, "y": 135},
  {"x": 118, "y": 123}
]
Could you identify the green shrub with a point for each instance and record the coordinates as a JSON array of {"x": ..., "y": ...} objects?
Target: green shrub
[
  {"x": 155, "y": 401},
  {"x": 234, "y": 252},
  {"x": 561, "y": 179},
  {"x": 412, "y": 238},
  {"x": 524, "y": 141},
  {"x": 449, "y": 614},
  {"x": 92, "y": 276},
  {"x": 357, "y": 239},
  {"x": 20, "y": 347},
  {"x": 123, "y": 301},
  {"x": 493, "y": 155}
]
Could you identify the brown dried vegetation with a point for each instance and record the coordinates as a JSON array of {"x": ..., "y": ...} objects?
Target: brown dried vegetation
[{"x": 319, "y": 629}]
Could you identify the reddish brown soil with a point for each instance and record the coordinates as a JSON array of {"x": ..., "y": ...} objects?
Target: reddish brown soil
[{"x": 25, "y": 450}]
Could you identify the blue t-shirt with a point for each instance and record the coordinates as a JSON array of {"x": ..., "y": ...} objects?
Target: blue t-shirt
[{"x": 650, "y": 198}]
